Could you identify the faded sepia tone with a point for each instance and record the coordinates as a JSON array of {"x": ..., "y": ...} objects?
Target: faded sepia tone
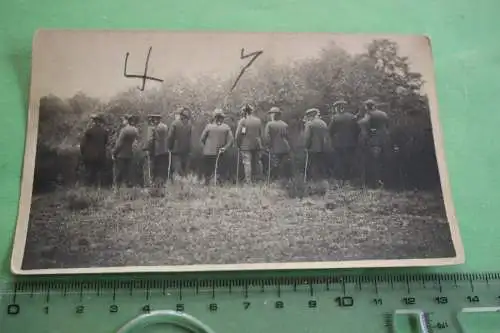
[{"x": 293, "y": 206}]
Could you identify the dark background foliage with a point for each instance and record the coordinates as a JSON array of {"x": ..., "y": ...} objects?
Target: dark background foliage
[{"x": 379, "y": 73}]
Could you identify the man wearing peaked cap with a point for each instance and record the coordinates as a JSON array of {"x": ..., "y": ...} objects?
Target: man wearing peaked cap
[
  {"x": 316, "y": 144},
  {"x": 157, "y": 149},
  {"x": 374, "y": 139},
  {"x": 215, "y": 139},
  {"x": 123, "y": 151},
  {"x": 179, "y": 142},
  {"x": 248, "y": 138},
  {"x": 344, "y": 131},
  {"x": 93, "y": 150},
  {"x": 277, "y": 141}
]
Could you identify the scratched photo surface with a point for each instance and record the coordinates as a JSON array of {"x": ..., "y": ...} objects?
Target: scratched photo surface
[{"x": 186, "y": 151}]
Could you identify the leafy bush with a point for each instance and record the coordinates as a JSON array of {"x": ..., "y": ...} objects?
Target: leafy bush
[{"x": 378, "y": 73}]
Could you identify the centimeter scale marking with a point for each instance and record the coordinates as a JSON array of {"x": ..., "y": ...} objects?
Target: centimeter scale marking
[
  {"x": 430, "y": 298},
  {"x": 81, "y": 286}
]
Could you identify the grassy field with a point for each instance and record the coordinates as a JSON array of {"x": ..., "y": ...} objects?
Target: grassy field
[{"x": 195, "y": 224}]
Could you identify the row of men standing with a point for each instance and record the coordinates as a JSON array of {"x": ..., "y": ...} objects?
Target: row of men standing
[
  {"x": 359, "y": 142},
  {"x": 168, "y": 149}
]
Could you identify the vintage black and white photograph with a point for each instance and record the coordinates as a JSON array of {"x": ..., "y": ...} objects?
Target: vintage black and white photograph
[{"x": 201, "y": 151}]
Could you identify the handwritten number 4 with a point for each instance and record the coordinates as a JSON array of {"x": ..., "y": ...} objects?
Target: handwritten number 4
[{"x": 144, "y": 76}]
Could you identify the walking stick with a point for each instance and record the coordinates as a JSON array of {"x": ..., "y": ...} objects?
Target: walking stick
[
  {"x": 268, "y": 167},
  {"x": 238, "y": 166},
  {"x": 306, "y": 166},
  {"x": 148, "y": 174},
  {"x": 216, "y": 167},
  {"x": 113, "y": 171},
  {"x": 170, "y": 166}
]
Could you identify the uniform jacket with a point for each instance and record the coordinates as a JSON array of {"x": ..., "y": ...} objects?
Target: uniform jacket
[
  {"x": 375, "y": 128},
  {"x": 93, "y": 143},
  {"x": 125, "y": 142},
  {"x": 179, "y": 137},
  {"x": 249, "y": 133},
  {"x": 344, "y": 130},
  {"x": 157, "y": 140},
  {"x": 276, "y": 135},
  {"x": 316, "y": 136},
  {"x": 215, "y": 137}
]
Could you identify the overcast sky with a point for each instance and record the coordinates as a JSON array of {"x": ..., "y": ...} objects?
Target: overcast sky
[{"x": 65, "y": 62}]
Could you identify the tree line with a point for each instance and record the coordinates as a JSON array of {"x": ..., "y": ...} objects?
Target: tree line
[{"x": 379, "y": 73}]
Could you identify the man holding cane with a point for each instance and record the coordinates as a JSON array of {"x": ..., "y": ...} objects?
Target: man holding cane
[
  {"x": 215, "y": 139},
  {"x": 179, "y": 141},
  {"x": 277, "y": 141},
  {"x": 157, "y": 150},
  {"x": 249, "y": 140},
  {"x": 316, "y": 145}
]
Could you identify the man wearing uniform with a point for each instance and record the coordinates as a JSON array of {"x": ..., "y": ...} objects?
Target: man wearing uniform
[
  {"x": 344, "y": 132},
  {"x": 215, "y": 139},
  {"x": 249, "y": 140},
  {"x": 179, "y": 141},
  {"x": 374, "y": 138},
  {"x": 123, "y": 151},
  {"x": 158, "y": 150},
  {"x": 277, "y": 141},
  {"x": 316, "y": 144},
  {"x": 93, "y": 150}
]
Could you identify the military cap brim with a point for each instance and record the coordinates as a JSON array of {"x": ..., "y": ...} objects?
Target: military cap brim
[
  {"x": 97, "y": 117},
  {"x": 369, "y": 102},
  {"x": 341, "y": 102},
  {"x": 274, "y": 110},
  {"x": 152, "y": 116},
  {"x": 218, "y": 113},
  {"x": 312, "y": 112}
]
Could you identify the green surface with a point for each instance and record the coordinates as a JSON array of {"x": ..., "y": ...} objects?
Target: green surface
[
  {"x": 467, "y": 60},
  {"x": 374, "y": 304}
]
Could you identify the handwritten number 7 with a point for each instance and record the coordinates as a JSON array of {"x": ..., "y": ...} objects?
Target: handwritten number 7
[{"x": 254, "y": 56}]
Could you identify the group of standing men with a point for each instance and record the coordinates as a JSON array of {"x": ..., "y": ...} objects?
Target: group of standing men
[
  {"x": 358, "y": 142},
  {"x": 168, "y": 148},
  {"x": 251, "y": 139}
]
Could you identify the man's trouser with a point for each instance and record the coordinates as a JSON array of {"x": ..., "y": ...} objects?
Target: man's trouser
[
  {"x": 374, "y": 165},
  {"x": 180, "y": 163},
  {"x": 94, "y": 170},
  {"x": 124, "y": 171},
  {"x": 344, "y": 162},
  {"x": 280, "y": 165},
  {"x": 209, "y": 167},
  {"x": 317, "y": 166},
  {"x": 159, "y": 168},
  {"x": 251, "y": 164}
]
